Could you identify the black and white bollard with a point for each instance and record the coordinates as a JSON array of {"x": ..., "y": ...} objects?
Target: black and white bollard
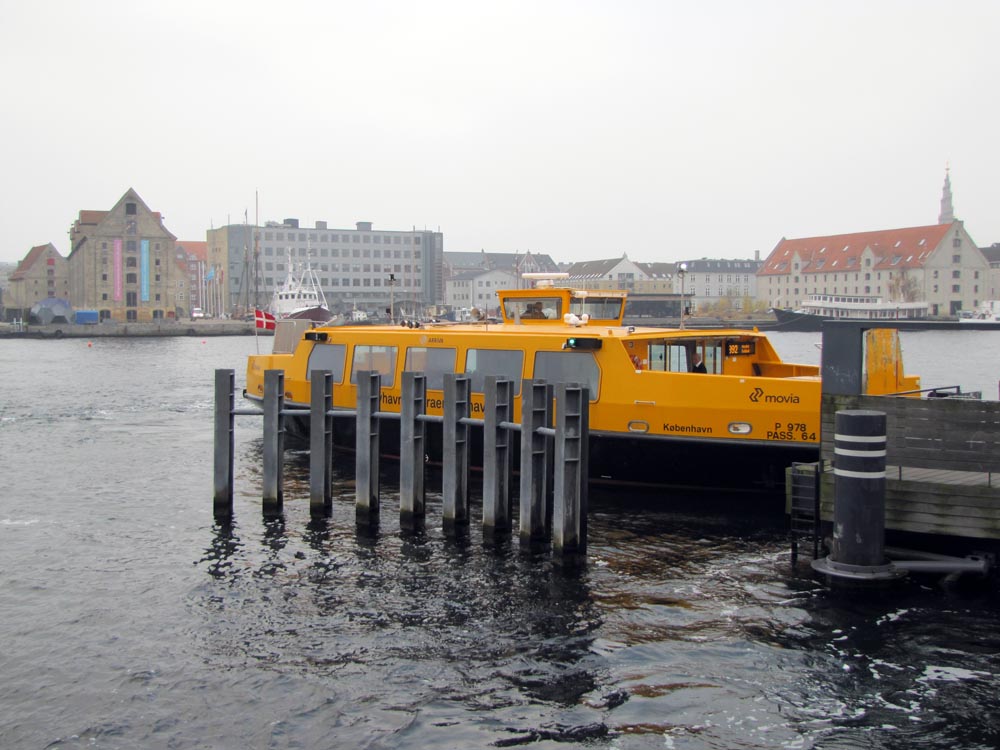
[{"x": 858, "y": 549}]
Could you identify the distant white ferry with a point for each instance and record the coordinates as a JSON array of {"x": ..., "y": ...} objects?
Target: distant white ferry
[{"x": 819, "y": 307}]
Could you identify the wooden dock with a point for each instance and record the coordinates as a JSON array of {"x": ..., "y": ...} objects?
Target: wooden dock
[{"x": 942, "y": 465}]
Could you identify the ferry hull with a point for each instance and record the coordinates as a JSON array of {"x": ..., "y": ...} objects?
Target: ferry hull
[{"x": 678, "y": 465}]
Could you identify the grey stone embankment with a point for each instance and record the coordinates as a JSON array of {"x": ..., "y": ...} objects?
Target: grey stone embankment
[{"x": 111, "y": 330}]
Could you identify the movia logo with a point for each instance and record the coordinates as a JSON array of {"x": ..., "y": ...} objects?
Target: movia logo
[{"x": 757, "y": 393}]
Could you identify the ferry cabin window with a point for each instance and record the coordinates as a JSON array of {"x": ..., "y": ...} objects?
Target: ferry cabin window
[
  {"x": 533, "y": 308},
  {"x": 327, "y": 357},
  {"x": 433, "y": 363},
  {"x": 505, "y": 363},
  {"x": 381, "y": 359},
  {"x": 569, "y": 367},
  {"x": 597, "y": 308},
  {"x": 677, "y": 356}
]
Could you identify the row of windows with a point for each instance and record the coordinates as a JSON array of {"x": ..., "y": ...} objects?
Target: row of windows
[
  {"x": 955, "y": 274},
  {"x": 434, "y": 363},
  {"x": 349, "y": 267},
  {"x": 133, "y": 278},
  {"x": 692, "y": 278},
  {"x": 132, "y": 246},
  {"x": 357, "y": 239},
  {"x": 334, "y": 281},
  {"x": 955, "y": 288},
  {"x": 324, "y": 252},
  {"x": 132, "y": 299}
]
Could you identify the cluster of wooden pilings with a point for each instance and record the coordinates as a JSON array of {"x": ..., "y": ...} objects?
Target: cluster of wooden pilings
[{"x": 553, "y": 453}]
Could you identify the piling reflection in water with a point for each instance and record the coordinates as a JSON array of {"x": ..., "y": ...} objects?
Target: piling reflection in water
[{"x": 687, "y": 625}]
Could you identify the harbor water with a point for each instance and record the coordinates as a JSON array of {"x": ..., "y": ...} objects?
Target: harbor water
[{"x": 130, "y": 619}]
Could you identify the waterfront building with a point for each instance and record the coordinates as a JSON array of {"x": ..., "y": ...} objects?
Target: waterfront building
[
  {"x": 607, "y": 273},
  {"x": 123, "y": 262},
  {"x": 361, "y": 268},
  {"x": 42, "y": 274},
  {"x": 203, "y": 285},
  {"x": 992, "y": 255},
  {"x": 477, "y": 289},
  {"x": 515, "y": 264},
  {"x": 939, "y": 264},
  {"x": 709, "y": 282}
]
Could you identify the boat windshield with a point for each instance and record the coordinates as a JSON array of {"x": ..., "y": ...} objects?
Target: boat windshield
[
  {"x": 533, "y": 308},
  {"x": 598, "y": 308}
]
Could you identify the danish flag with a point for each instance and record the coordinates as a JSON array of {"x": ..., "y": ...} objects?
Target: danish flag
[{"x": 263, "y": 319}]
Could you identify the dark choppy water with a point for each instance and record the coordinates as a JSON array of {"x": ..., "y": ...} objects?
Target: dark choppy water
[{"x": 130, "y": 620}]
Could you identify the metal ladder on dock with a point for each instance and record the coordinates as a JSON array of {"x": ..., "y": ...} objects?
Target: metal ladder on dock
[{"x": 803, "y": 518}]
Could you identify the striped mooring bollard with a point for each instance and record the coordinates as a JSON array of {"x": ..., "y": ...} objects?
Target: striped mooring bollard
[{"x": 857, "y": 552}]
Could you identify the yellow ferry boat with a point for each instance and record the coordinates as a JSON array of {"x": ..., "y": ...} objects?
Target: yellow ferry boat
[{"x": 704, "y": 408}]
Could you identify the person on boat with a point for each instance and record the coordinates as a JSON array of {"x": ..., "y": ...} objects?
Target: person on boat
[
  {"x": 534, "y": 311},
  {"x": 697, "y": 364}
]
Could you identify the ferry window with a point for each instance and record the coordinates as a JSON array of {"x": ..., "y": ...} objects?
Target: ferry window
[
  {"x": 569, "y": 367},
  {"x": 433, "y": 363},
  {"x": 677, "y": 356},
  {"x": 327, "y": 357},
  {"x": 381, "y": 359},
  {"x": 597, "y": 308},
  {"x": 533, "y": 308},
  {"x": 503, "y": 362}
]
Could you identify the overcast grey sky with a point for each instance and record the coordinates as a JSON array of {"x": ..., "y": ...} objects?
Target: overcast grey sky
[{"x": 666, "y": 130}]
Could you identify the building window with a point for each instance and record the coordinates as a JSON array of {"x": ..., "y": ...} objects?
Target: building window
[
  {"x": 956, "y": 288},
  {"x": 956, "y": 274},
  {"x": 130, "y": 209}
]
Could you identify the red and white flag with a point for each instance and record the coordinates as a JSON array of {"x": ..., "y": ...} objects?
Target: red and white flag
[{"x": 263, "y": 319}]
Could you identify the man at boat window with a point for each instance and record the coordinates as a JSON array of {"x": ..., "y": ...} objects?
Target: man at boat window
[
  {"x": 534, "y": 311},
  {"x": 697, "y": 364}
]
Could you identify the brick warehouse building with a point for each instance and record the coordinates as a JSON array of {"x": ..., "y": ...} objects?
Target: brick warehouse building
[{"x": 125, "y": 264}]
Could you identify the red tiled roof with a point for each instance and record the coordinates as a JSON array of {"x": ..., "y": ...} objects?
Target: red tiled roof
[
  {"x": 893, "y": 248},
  {"x": 28, "y": 261},
  {"x": 195, "y": 248},
  {"x": 92, "y": 217}
]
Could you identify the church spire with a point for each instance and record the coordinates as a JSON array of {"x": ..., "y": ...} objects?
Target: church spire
[{"x": 947, "y": 215}]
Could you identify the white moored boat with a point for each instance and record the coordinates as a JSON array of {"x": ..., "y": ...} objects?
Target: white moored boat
[
  {"x": 301, "y": 295},
  {"x": 820, "y": 307}
]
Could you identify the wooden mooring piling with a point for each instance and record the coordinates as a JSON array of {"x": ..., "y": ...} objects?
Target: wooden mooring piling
[{"x": 553, "y": 453}]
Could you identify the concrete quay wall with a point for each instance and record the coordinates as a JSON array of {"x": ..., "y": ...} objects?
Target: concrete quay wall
[{"x": 110, "y": 329}]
